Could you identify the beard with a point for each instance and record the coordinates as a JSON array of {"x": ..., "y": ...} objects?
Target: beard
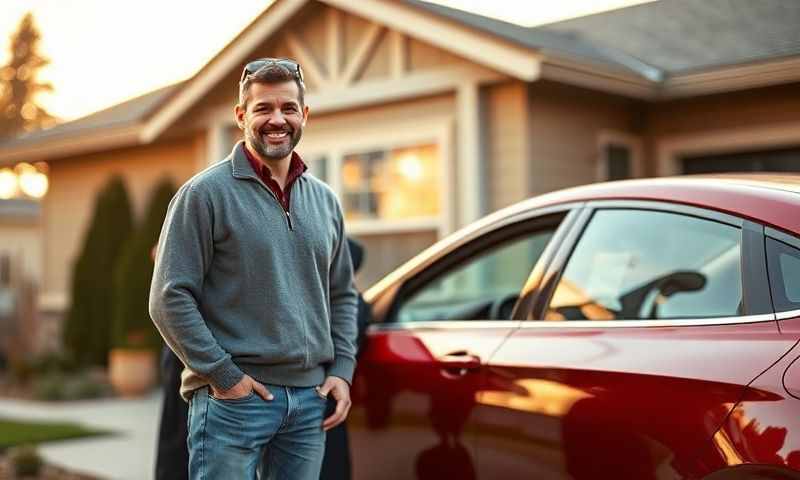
[{"x": 255, "y": 138}]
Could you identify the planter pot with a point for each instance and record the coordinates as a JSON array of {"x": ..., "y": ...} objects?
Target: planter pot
[{"x": 132, "y": 372}]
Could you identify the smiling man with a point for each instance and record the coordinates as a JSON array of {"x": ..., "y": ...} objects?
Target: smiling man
[{"x": 253, "y": 290}]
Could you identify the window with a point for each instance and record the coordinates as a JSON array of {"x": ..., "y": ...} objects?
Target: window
[
  {"x": 640, "y": 264},
  {"x": 783, "y": 262},
  {"x": 318, "y": 166},
  {"x": 401, "y": 183},
  {"x": 484, "y": 287},
  {"x": 618, "y": 162}
]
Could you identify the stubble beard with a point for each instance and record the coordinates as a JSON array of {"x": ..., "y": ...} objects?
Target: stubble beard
[{"x": 273, "y": 152}]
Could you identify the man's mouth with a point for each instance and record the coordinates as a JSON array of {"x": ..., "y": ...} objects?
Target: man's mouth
[{"x": 276, "y": 135}]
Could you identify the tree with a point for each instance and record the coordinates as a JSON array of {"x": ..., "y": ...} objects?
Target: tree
[
  {"x": 18, "y": 84},
  {"x": 132, "y": 326},
  {"x": 87, "y": 331}
]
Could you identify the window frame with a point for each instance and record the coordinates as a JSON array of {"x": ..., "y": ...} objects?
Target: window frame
[
  {"x": 792, "y": 241},
  {"x": 459, "y": 253},
  {"x": 634, "y": 144},
  {"x": 440, "y": 132},
  {"x": 757, "y": 300}
]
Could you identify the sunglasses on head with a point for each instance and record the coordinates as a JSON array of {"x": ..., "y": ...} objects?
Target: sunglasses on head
[{"x": 255, "y": 65}]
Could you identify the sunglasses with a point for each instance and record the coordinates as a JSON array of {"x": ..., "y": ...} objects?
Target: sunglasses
[{"x": 255, "y": 65}]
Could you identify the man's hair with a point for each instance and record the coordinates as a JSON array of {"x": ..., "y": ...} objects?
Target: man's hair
[{"x": 271, "y": 73}]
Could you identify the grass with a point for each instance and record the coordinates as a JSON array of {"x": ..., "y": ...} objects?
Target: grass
[{"x": 15, "y": 432}]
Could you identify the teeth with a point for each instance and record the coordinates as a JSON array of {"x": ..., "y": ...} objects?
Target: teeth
[{"x": 276, "y": 135}]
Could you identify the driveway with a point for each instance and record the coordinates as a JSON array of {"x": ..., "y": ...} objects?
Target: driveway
[{"x": 128, "y": 454}]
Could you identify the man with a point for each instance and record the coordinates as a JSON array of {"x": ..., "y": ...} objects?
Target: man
[{"x": 253, "y": 290}]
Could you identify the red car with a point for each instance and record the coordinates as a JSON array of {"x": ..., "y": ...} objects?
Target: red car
[{"x": 643, "y": 329}]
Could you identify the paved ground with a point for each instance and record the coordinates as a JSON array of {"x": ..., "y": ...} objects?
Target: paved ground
[{"x": 127, "y": 455}]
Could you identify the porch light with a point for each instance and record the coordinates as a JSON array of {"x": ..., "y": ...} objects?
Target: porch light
[
  {"x": 8, "y": 184},
  {"x": 32, "y": 180},
  {"x": 410, "y": 167}
]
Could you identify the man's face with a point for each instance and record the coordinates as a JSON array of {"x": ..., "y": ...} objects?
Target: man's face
[{"x": 273, "y": 119}]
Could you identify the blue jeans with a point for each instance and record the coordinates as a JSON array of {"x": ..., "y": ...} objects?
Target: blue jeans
[{"x": 242, "y": 438}]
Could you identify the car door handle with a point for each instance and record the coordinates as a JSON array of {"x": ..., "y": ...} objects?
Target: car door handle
[{"x": 458, "y": 364}]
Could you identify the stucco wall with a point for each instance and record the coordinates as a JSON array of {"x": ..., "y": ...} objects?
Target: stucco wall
[{"x": 74, "y": 183}]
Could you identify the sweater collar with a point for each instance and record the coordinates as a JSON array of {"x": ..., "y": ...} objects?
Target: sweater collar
[{"x": 243, "y": 169}]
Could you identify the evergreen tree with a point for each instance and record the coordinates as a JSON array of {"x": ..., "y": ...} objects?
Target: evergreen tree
[
  {"x": 132, "y": 326},
  {"x": 87, "y": 331},
  {"x": 18, "y": 84}
]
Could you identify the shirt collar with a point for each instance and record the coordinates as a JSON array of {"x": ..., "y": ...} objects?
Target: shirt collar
[{"x": 296, "y": 166}]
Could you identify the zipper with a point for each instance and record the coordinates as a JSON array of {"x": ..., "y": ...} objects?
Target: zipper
[{"x": 288, "y": 219}]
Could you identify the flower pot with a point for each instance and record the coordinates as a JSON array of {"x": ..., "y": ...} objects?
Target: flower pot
[{"x": 132, "y": 372}]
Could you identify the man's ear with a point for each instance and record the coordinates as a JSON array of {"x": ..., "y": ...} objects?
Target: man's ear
[
  {"x": 305, "y": 115},
  {"x": 238, "y": 114}
]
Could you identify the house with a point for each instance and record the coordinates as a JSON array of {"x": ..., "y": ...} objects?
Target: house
[{"x": 424, "y": 118}]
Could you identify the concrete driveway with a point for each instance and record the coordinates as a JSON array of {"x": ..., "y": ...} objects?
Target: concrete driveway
[{"x": 128, "y": 454}]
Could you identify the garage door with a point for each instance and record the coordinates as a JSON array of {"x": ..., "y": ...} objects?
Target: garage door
[{"x": 783, "y": 160}]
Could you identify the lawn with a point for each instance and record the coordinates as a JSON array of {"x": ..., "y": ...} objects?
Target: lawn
[{"x": 15, "y": 432}]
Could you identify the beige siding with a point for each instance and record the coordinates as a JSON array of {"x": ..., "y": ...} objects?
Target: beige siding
[
  {"x": 565, "y": 125},
  {"x": 423, "y": 56},
  {"x": 750, "y": 108},
  {"x": 75, "y": 182},
  {"x": 507, "y": 151},
  {"x": 22, "y": 241}
]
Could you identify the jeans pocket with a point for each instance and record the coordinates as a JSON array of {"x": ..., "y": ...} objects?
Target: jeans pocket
[
  {"x": 232, "y": 400},
  {"x": 319, "y": 393}
]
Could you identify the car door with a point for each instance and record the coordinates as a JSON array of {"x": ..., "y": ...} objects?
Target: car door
[
  {"x": 640, "y": 339},
  {"x": 415, "y": 385}
]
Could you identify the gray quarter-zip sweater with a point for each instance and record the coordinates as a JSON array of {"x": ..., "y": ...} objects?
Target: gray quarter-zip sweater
[{"x": 241, "y": 287}]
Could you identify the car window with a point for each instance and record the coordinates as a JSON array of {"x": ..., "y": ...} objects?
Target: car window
[
  {"x": 484, "y": 287},
  {"x": 644, "y": 264},
  {"x": 783, "y": 263}
]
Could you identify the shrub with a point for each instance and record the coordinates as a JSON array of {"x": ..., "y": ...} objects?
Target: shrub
[
  {"x": 132, "y": 326},
  {"x": 87, "y": 332},
  {"x": 25, "y": 460}
]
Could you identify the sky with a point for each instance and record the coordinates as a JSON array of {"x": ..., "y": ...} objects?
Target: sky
[{"x": 103, "y": 52}]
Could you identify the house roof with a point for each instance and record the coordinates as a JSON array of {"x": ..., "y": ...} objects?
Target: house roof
[
  {"x": 541, "y": 39},
  {"x": 128, "y": 113},
  {"x": 682, "y": 36}
]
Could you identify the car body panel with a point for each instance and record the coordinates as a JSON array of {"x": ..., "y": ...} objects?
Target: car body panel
[
  {"x": 573, "y": 401},
  {"x": 644, "y": 399}
]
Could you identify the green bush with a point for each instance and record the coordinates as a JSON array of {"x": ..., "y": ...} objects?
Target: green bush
[
  {"x": 87, "y": 330},
  {"x": 25, "y": 460},
  {"x": 132, "y": 326},
  {"x": 59, "y": 386}
]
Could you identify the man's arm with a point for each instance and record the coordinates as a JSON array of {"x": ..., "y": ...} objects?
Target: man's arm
[
  {"x": 344, "y": 308},
  {"x": 184, "y": 254},
  {"x": 344, "y": 329}
]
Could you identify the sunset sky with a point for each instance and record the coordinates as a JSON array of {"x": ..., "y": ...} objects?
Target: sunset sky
[{"x": 103, "y": 52}]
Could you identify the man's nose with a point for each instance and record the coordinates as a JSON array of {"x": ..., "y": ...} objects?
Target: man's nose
[{"x": 277, "y": 119}]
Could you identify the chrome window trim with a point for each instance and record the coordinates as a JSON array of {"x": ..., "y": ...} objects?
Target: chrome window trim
[
  {"x": 787, "y": 314},
  {"x": 445, "y": 325},
  {"x": 668, "y": 207},
  {"x": 790, "y": 240},
  {"x": 488, "y": 324}
]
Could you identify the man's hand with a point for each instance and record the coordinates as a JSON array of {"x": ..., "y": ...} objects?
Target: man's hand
[
  {"x": 341, "y": 392},
  {"x": 243, "y": 389}
]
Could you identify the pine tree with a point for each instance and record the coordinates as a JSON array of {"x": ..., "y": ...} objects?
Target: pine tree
[
  {"x": 19, "y": 86},
  {"x": 132, "y": 326},
  {"x": 87, "y": 331}
]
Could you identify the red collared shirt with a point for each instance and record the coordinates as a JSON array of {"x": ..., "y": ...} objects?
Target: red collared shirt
[{"x": 296, "y": 168}]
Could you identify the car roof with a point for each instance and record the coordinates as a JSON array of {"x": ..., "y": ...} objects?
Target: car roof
[{"x": 769, "y": 198}]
